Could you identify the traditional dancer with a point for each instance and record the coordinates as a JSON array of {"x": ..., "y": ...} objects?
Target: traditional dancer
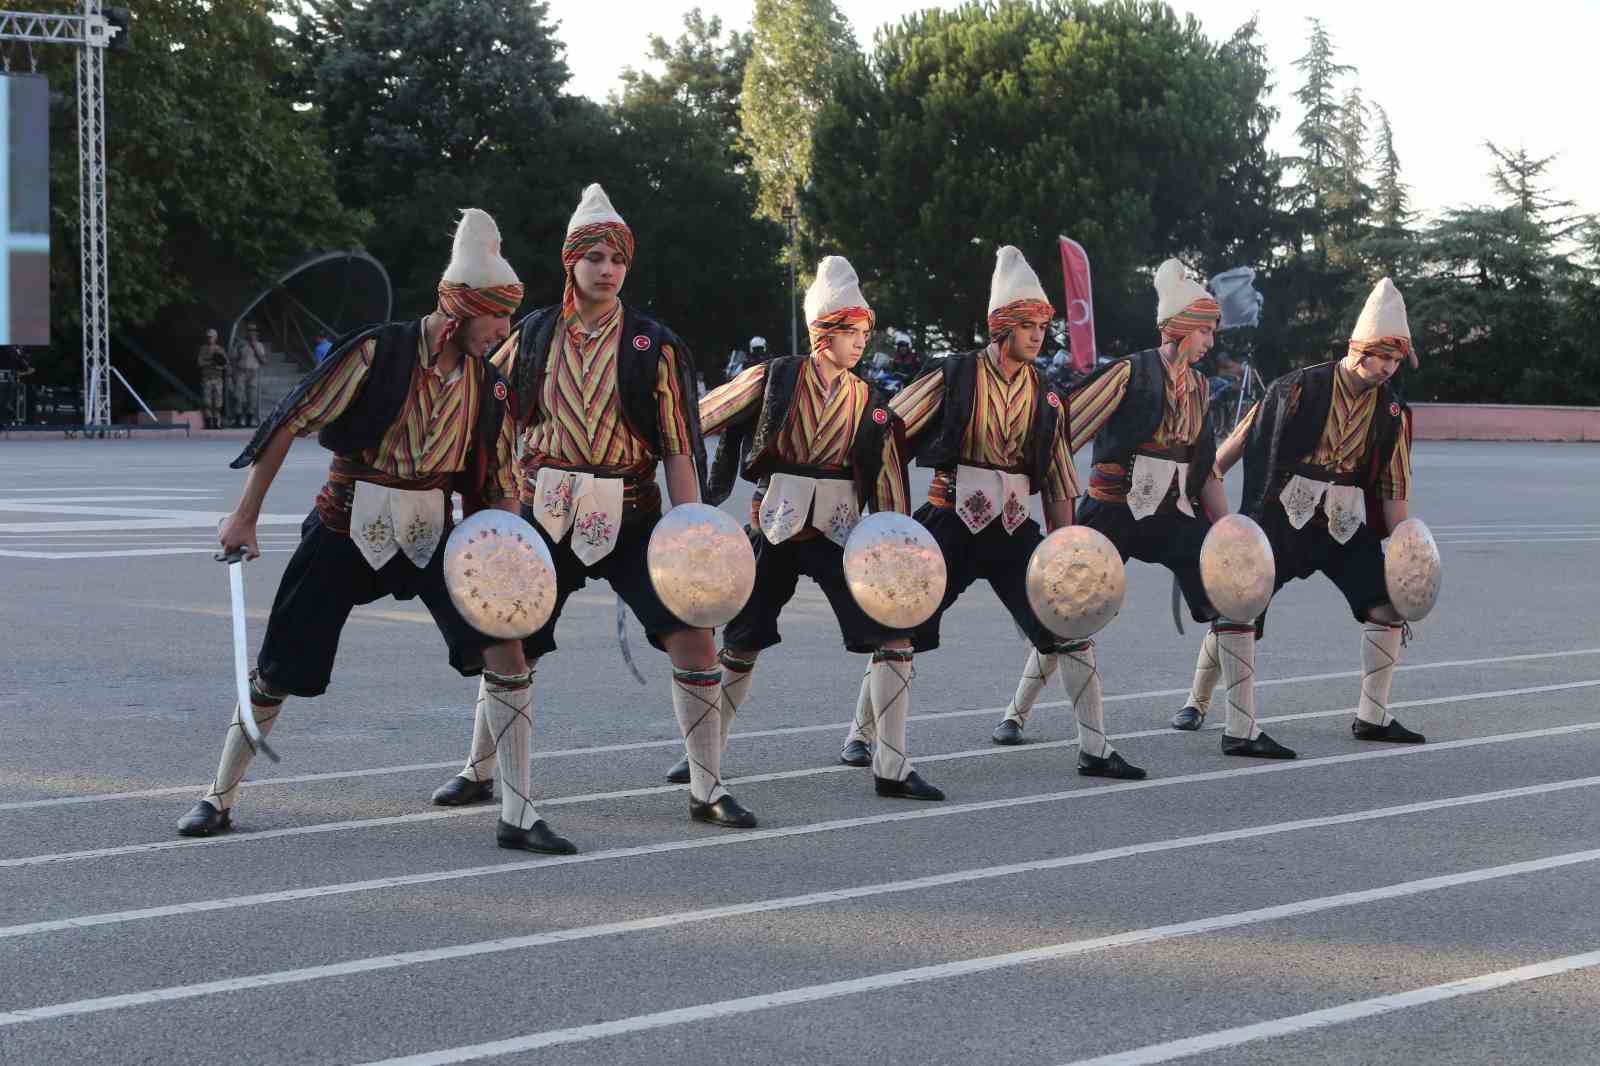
[
  {"x": 1152, "y": 492},
  {"x": 411, "y": 411},
  {"x": 994, "y": 435},
  {"x": 821, "y": 445},
  {"x": 604, "y": 394},
  {"x": 1327, "y": 475}
]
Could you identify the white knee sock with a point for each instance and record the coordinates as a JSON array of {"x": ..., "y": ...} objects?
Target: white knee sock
[
  {"x": 1236, "y": 646},
  {"x": 1206, "y": 667},
  {"x": 1081, "y": 681},
  {"x": 863, "y": 728},
  {"x": 697, "y": 703},
  {"x": 480, "y": 760},
  {"x": 1036, "y": 672},
  {"x": 237, "y": 750},
  {"x": 736, "y": 674},
  {"x": 1380, "y": 651},
  {"x": 890, "y": 677},
  {"x": 508, "y": 708}
]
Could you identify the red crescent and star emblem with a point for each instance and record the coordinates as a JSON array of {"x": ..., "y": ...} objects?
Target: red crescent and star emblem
[
  {"x": 1055, "y": 401},
  {"x": 641, "y": 343},
  {"x": 880, "y": 416},
  {"x": 1394, "y": 410},
  {"x": 500, "y": 390}
]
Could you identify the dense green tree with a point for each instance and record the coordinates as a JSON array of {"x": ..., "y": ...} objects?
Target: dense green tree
[
  {"x": 214, "y": 181},
  {"x": 801, "y": 48},
  {"x": 1118, "y": 124}
]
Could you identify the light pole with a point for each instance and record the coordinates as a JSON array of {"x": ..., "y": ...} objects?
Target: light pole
[{"x": 789, "y": 220}]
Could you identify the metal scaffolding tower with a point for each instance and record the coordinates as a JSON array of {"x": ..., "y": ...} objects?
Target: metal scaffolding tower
[{"x": 91, "y": 34}]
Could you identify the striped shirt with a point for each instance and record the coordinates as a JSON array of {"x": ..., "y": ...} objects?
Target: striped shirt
[
  {"x": 1183, "y": 417},
  {"x": 432, "y": 435},
  {"x": 997, "y": 433},
  {"x": 1343, "y": 446},
  {"x": 821, "y": 425},
  {"x": 583, "y": 424}
]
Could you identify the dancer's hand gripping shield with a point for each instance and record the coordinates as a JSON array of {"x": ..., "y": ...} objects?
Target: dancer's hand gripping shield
[
  {"x": 500, "y": 575},
  {"x": 1237, "y": 568},
  {"x": 1412, "y": 569},
  {"x": 241, "y": 664},
  {"x": 701, "y": 564},
  {"x": 1075, "y": 582},
  {"x": 894, "y": 569}
]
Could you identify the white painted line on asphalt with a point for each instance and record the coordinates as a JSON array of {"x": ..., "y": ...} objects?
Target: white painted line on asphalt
[
  {"x": 129, "y": 553},
  {"x": 723, "y": 839},
  {"x": 41, "y": 503},
  {"x": 1520, "y": 540},
  {"x": 893, "y": 979},
  {"x": 484, "y": 810},
  {"x": 207, "y": 520},
  {"x": 1518, "y": 528},
  {"x": 398, "y": 960},
  {"x": 784, "y": 731},
  {"x": 1345, "y": 1012}
]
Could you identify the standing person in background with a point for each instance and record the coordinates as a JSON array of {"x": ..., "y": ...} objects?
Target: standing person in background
[
  {"x": 213, "y": 363},
  {"x": 249, "y": 353}
]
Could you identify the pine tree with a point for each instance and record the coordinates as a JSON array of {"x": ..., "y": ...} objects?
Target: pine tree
[
  {"x": 1319, "y": 129},
  {"x": 1393, "y": 212}
]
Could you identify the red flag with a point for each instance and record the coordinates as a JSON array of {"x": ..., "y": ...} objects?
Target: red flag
[{"x": 1080, "y": 304}]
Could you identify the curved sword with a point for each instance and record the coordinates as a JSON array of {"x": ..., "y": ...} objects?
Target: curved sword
[
  {"x": 241, "y": 665},
  {"x": 1177, "y": 603},
  {"x": 622, "y": 640}
]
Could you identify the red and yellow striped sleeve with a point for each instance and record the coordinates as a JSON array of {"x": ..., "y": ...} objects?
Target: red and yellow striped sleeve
[
  {"x": 1061, "y": 480},
  {"x": 1394, "y": 482},
  {"x": 504, "y": 358},
  {"x": 674, "y": 426},
  {"x": 918, "y": 402},
  {"x": 725, "y": 403},
  {"x": 329, "y": 398},
  {"x": 505, "y": 459},
  {"x": 891, "y": 479},
  {"x": 1089, "y": 408}
]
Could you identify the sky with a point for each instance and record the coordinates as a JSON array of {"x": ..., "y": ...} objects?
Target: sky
[{"x": 1450, "y": 76}]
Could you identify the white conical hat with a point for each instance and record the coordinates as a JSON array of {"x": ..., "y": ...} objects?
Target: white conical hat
[
  {"x": 475, "y": 260},
  {"x": 1383, "y": 316},
  {"x": 1175, "y": 290},
  {"x": 835, "y": 289},
  {"x": 594, "y": 207},
  {"x": 1013, "y": 280}
]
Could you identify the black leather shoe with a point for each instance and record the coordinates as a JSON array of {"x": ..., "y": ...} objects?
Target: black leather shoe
[
  {"x": 679, "y": 774},
  {"x": 912, "y": 788},
  {"x": 1262, "y": 747},
  {"x": 726, "y": 812},
  {"x": 1113, "y": 765},
  {"x": 1189, "y": 719},
  {"x": 1008, "y": 732},
  {"x": 204, "y": 820},
  {"x": 460, "y": 792},
  {"x": 537, "y": 837},
  {"x": 856, "y": 753},
  {"x": 1393, "y": 733}
]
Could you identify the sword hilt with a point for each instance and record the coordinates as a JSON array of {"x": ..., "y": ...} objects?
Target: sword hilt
[{"x": 235, "y": 556}]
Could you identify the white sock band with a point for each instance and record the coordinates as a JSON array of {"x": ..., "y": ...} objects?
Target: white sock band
[
  {"x": 1081, "y": 681},
  {"x": 1380, "y": 651},
  {"x": 890, "y": 676},
  {"x": 697, "y": 704}
]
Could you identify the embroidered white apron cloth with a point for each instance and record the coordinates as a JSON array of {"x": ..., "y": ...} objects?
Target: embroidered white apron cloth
[
  {"x": 1345, "y": 505},
  {"x": 982, "y": 495},
  {"x": 792, "y": 498},
  {"x": 1151, "y": 479},
  {"x": 385, "y": 521},
  {"x": 589, "y": 506}
]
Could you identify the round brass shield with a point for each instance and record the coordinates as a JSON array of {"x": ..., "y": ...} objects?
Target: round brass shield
[
  {"x": 1411, "y": 569},
  {"x": 499, "y": 574},
  {"x": 894, "y": 569},
  {"x": 1075, "y": 582},
  {"x": 1237, "y": 568},
  {"x": 701, "y": 564}
]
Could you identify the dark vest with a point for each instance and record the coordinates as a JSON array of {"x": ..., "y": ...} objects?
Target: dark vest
[
  {"x": 940, "y": 445},
  {"x": 754, "y": 438},
  {"x": 377, "y": 406},
  {"x": 1280, "y": 439},
  {"x": 639, "y": 344},
  {"x": 1139, "y": 415}
]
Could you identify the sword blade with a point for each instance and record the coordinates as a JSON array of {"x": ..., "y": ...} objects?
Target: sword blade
[
  {"x": 622, "y": 641},
  {"x": 241, "y": 667},
  {"x": 1177, "y": 600}
]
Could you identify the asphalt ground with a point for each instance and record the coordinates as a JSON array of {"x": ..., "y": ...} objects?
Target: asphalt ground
[{"x": 1364, "y": 903}]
